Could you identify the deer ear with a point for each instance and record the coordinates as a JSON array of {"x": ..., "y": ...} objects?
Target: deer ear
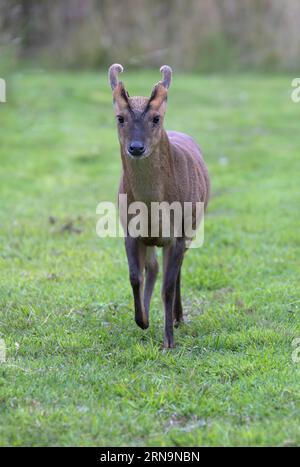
[
  {"x": 120, "y": 96},
  {"x": 158, "y": 96},
  {"x": 160, "y": 90}
]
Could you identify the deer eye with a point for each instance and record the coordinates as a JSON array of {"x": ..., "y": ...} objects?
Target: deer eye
[
  {"x": 120, "y": 119},
  {"x": 156, "y": 119}
]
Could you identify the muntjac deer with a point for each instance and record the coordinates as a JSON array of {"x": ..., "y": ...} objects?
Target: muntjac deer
[{"x": 158, "y": 166}]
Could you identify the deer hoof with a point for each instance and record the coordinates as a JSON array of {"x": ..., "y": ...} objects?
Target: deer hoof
[
  {"x": 178, "y": 322},
  {"x": 168, "y": 344},
  {"x": 141, "y": 323}
]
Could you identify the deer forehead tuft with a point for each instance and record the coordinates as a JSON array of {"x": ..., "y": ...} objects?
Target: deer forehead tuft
[{"x": 138, "y": 103}]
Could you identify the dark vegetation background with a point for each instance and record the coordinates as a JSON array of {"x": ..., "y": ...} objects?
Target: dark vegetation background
[{"x": 191, "y": 35}]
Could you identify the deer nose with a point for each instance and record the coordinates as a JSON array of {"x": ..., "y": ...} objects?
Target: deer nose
[{"x": 136, "y": 148}]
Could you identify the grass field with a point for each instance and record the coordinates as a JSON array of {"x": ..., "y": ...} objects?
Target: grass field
[{"x": 78, "y": 371}]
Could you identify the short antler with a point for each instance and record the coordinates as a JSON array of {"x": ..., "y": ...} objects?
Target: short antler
[
  {"x": 113, "y": 72},
  {"x": 166, "y": 72}
]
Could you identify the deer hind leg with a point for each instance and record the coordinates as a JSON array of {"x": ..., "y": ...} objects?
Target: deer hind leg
[
  {"x": 173, "y": 256},
  {"x": 177, "y": 310},
  {"x": 151, "y": 275},
  {"x": 136, "y": 255}
]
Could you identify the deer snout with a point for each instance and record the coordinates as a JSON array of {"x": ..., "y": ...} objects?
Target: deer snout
[{"x": 136, "y": 148}]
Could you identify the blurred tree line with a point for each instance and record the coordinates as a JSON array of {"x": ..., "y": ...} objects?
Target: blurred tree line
[{"x": 188, "y": 34}]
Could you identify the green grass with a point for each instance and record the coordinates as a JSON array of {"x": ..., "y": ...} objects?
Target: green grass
[{"x": 78, "y": 370}]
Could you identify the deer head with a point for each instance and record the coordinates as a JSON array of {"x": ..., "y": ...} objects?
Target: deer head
[{"x": 139, "y": 119}]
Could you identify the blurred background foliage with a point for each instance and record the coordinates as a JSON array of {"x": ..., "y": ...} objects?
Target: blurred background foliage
[{"x": 191, "y": 35}]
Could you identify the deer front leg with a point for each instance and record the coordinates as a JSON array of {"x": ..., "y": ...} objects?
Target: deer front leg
[
  {"x": 136, "y": 252},
  {"x": 173, "y": 256},
  {"x": 151, "y": 275}
]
